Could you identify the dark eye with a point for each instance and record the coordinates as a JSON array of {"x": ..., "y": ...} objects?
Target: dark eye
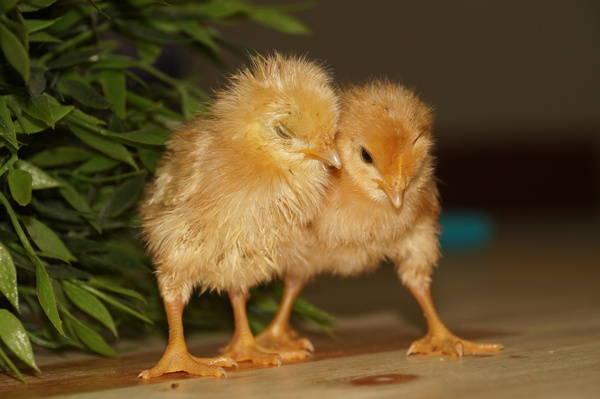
[
  {"x": 283, "y": 131},
  {"x": 366, "y": 157}
]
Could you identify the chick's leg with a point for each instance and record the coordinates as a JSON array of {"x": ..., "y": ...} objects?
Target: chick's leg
[
  {"x": 439, "y": 340},
  {"x": 243, "y": 345},
  {"x": 279, "y": 335},
  {"x": 176, "y": 356}
]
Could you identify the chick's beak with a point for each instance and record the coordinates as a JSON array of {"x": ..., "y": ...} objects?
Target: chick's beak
[
  {"x": 328, "y": 156},
  {"x": 394, "y": 191}
]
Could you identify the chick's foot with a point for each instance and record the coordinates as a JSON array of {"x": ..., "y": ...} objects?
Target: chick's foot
[
  {"x": 244, "y": 352},
  {"x": 175, "y": 359},
  {"x": 451, "y": 345},
  {"x": 287, "y": 341}
]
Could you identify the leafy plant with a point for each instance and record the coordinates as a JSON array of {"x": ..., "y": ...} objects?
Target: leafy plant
[{"x": 84, "y": 113}]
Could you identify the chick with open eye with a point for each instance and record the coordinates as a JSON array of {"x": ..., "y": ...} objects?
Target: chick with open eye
[
  {"x": 382, "y": 205},
  {"x": 233, "y": 188}
]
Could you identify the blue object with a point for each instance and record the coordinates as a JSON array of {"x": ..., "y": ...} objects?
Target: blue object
[{"x": 465, "y": 230}]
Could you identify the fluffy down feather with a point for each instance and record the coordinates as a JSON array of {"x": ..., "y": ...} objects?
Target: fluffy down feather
[
  {"x": 235, "y": 187},
  {"x": 382, "y": 205},
  {"x": 232, "y": 188}
]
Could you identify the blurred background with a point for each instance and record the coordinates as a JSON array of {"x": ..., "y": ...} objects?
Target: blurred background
[{"x": 515, "y": 86}]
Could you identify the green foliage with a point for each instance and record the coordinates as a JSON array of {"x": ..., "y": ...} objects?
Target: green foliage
[{"x": 84, "y": 113}]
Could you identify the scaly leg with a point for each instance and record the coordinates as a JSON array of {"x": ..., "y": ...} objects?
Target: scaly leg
[
  {"x": 243, "y": 346},
  {"x": 279, "y": 335},
  {"x": 176, "y": 356},
  {"x": 438, "y": 338}
]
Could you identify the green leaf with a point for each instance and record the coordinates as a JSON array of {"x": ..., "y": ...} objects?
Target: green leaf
[
  {"x": 74, "y": 198},
  {"x": 149, "y": 52},
  {"x": 41, "y": 180},
  {"x": 190, "y": 106},
  {"x": 222, "y": 9},
  {"x": 7, "y": 128},
  {"x": 79, "y": 203},
  {"x": 34, "y": 5},
  {"x": 114, "y": 61},
  {"x": 74, "y": 58},
  {"x": 151, "y": 136},
  {"x": 47, "y": 240},
  {"x": 35, "y": 25},
  {"x": 117, "y": 261},
  {"x": 11, "y": 365},
  {"x": 86, "y": 118},
  {"x": 57, "y": 211},
  {"x": 200, "y": 33},
  {"x": 147, "y": 33},
  {"x": 113, "y": 85},
  {"x": 106, "y": 146},
  {"x": 8, "y": 278},
  {"x": 278, "y": 20},
  {"x": 150, "y": 157},
  {"x": 67, "y": 272},
  {"x": 15, "y": 337},
  {"x": 90, "y": 304},
  {"x": 113, "y": 302},
  {"x": 90, "y": 338},
  {"x": 7, "y": 5},
  {"x": 148, "y": 105},
  {"x": 305, "y": 308},
  {"x": 15, "y": 52},
  {"x": 46, "y": 297},
  {"x": 85, "y": 94},
  {"x": 39, "y": 108},
  {"x": 125, "y": 196},
  {"x": 60, "y": 156},
  {"x": 29, "y": 125},
  {"x": 60, "y": 111},
  {"x": 111, "y": 286},
  {"x": 37, "y": 81},
  {"x": 98, "y": 163},
  {"x": 19, "y": 183},
  {"x": 43, "y": 37}
]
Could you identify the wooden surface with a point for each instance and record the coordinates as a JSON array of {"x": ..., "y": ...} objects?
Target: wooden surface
[{"x": 536, "y": 290}]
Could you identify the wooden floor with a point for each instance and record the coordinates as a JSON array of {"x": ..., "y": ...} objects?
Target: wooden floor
[{"x": 536, "y": 289}]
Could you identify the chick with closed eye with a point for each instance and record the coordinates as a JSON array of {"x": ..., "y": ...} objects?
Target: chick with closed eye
[{"x": 235, "y": 187}]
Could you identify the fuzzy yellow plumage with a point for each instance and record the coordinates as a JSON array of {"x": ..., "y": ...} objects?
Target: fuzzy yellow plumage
[
  {"x": 235, "y": 187},
  {"x": 382, "y": 205}
]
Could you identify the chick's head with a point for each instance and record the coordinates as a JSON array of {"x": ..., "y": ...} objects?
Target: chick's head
[
  {"x": 286, "y": 106},
  {"x": 385, "y": 141}
]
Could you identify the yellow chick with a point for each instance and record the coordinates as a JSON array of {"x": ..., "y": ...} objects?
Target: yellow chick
[
  {"x": 233, "y": 188},
  {"x": 382, "y": 205}
]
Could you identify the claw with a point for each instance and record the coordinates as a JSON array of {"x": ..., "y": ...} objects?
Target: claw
[
  {"x": 308, "y": 345},
  {"x": 458, "y": 348},
  {"x": 411, "y": 350},
  {"x": 143, "y": 374}
]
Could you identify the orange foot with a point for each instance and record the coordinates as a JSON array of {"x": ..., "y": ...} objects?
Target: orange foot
[
  {"x": 245, "y": 351},
  {"x": 451, "y": 345},
  {"x": 175, "y": 360},
  {"x": 286, "y": 341}
]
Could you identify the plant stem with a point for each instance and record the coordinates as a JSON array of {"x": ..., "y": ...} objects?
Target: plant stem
[
  {"x": 13, "y": 158},
  {"x": 22, "y": 236}
]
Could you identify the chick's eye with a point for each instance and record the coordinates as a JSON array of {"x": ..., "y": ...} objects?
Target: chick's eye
[
  {"x": 283, "y": 131},
  {"x": 366, "y": 157}
]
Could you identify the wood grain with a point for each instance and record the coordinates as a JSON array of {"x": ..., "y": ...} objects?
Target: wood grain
[{"x": 535, "y": 290}]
